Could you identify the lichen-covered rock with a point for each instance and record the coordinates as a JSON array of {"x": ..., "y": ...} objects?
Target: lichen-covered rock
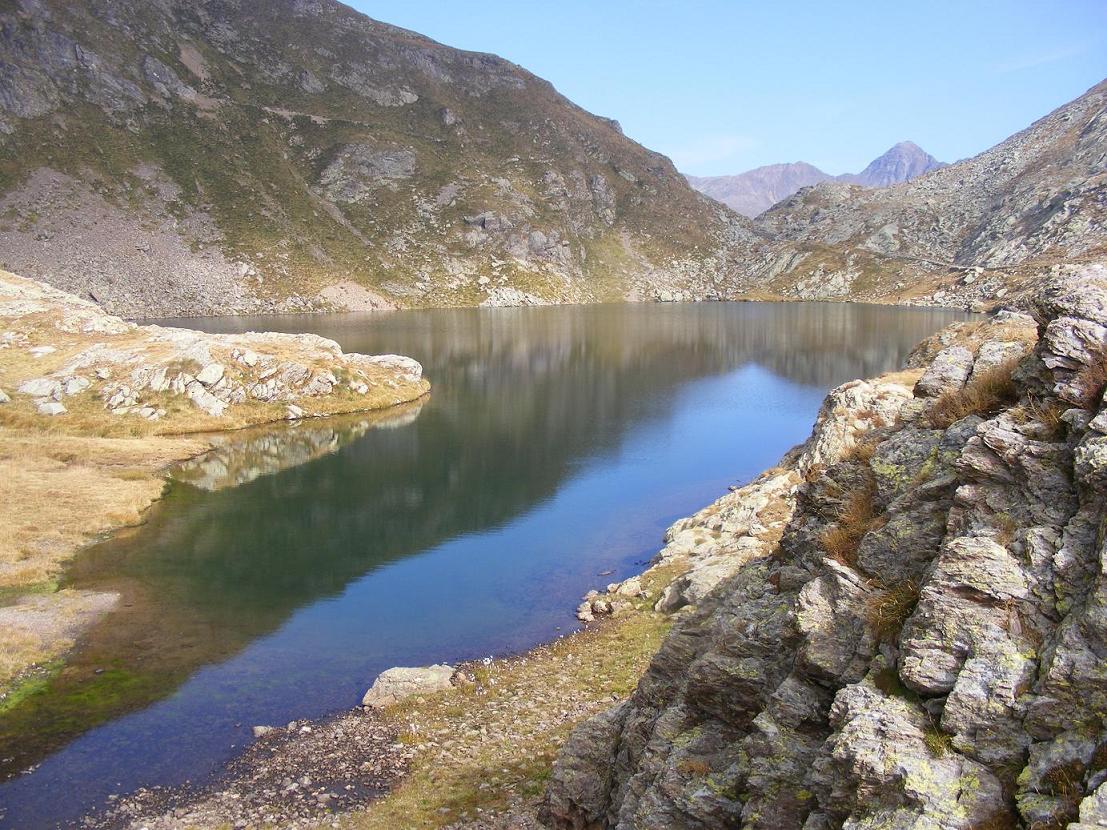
[
  {"x": 922, "y": 646},
  {"x": 947, "y": 372}
]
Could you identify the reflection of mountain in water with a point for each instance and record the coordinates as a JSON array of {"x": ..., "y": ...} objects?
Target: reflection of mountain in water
[{"x": 520, "y": 397}]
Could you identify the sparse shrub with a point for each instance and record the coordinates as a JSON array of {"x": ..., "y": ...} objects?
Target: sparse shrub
[
  {"x": 695, "y": 767},
  {"x": 889, "y": 608},
  {"x": 984, "y": 394},
  {"x": 1065, "y": 779},
  {"x": 1006, "y": 528},
  {"x": 862, "y": 451},
  {"x": 873, "y": 417},
  {"x": 1000, "y": 820},
  {"x": 1049, "y": 414},
  {"x": 1099, "y": 759}
]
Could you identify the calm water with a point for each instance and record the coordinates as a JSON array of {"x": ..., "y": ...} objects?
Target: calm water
[{"x": 282, "y": 574}]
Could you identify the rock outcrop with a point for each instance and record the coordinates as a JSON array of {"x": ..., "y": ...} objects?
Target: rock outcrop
[
  {"x": 62, "y": 353},
  {"x": 980, "y": 231},
  {"x": 923, "y": 645},
  {"x": 396, "y": 684}
]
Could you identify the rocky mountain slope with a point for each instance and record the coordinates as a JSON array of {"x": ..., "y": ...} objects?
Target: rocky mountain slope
[
  {"x": 755, "y": 191},
  {"x": 222, "y": 157},
  {"x": 922, "y": 647},
  {"x": 972, "y": 231}
]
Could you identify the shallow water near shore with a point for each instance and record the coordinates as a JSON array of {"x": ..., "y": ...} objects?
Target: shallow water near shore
[{"x": 284, "y": 571}]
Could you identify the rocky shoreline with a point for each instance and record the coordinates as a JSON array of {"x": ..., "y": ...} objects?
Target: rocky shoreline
[
  {"x": 894, "y": 627},
  {"x": 922, "y": 648}
]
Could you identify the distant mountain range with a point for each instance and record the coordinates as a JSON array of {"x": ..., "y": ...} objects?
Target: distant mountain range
[{"x": 755, "y": 191}]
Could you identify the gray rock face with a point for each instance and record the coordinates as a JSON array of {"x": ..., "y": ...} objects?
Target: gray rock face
[
  {"x": 947, "y": 373},
  {"x": 359, "y": 169},
  {"x": 757, "y": 190},
  {"x": 903, "y": 162},
  {"x": 922, "y": 649}
]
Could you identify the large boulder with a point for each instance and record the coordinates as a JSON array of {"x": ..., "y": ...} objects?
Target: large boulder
[
  {"x": 398, "y": 683},
  {"x": 947, "y": 373}
]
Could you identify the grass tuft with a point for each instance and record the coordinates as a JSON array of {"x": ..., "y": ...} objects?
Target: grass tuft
[
  {"x": 857, "y": 518},
  {"x": 889, "y": 608},
  {"x": 937, "y": 742},
  {"x": 985, "y": 394},
  {"x": 1091, "y": 380}
]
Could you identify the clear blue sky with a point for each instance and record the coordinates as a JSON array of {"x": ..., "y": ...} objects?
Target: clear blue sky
[{"x": 721, "y": 87}]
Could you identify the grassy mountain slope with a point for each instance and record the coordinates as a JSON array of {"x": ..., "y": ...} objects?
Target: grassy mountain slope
[{"x": 182, "y": 157}]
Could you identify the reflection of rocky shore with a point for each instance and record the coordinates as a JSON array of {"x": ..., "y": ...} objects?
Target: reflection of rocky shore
[{"x": 241, "y": 457}]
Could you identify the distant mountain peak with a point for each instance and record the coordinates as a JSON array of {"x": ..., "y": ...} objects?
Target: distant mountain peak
[
  {"x": 757, "y": 190},
  {"x": 902, "y": 162}
]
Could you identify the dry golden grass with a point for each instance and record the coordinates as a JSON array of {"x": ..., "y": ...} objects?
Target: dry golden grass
[
  {"x": 60, "y": 492},
  {"x": 1091, "y": 378},
  {"x": 904, "y": 377},
  {"x": 985, "y": 394},
  {"x": 858, "y": 517},
  {"x": 862, "y": 451},
  {"x": 42, "y": 627},
  {"x": 889, "y": 608}
]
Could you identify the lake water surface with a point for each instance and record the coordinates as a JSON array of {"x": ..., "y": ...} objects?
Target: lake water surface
[{"x": 280, "y": 575}]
